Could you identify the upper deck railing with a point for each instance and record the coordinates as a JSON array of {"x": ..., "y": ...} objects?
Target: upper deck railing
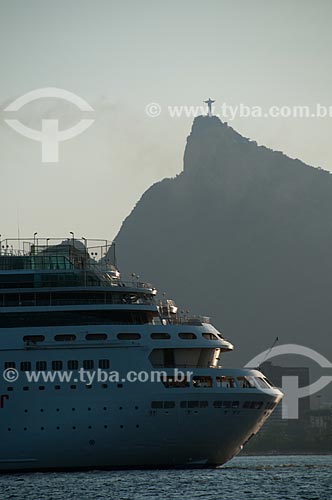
[
  {"x": 62, "y": 262},
  {"x": 56, "y": 254}
]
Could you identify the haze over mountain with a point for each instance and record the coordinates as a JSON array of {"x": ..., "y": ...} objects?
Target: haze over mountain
[{"x": 243, "y": 235}]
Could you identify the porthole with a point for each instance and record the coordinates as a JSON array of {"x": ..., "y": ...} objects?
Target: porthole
[
  {"x": 25, "y": 366},
  {"x": 65, "y": 338},
  {"x": 33, "y": 338},
  {"x": 41, "y": 366},
  {"x": 57, "y": 365},
  {"x": 88, "y": 364},
  {"x": 10, "y": 364},
  {"x": 96, "y": 336},
  {"x": 104, "y": 363},
  {"x": 160, "y": 336},
  {"x": 128, "y": 336},
  {"x": 187, "y": 335}
]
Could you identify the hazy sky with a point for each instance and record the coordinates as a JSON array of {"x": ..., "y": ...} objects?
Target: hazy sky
[{"x": 121, "y": 55}]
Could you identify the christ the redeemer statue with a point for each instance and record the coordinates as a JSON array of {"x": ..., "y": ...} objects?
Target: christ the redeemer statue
[{"x": 209, "y": 102}]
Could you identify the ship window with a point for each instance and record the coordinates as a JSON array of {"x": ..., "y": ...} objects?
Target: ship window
[
  {"x": 163, "y": 404},
  {"x": 104, "y": 363},
  {"x": 202, "y": 381},
  {"x": 10, "y": 364},
  {"x": 187, "y": 335},
  {"x": 169, "y": 404},
  {"x": 245, "y": 383},
  {"x": 96, "y": 336},
  {"x": 25, "y": 366},
  {"x": 173, "y": 381},
  {"x": 128, "y": 336},
  {"x": 33, "y": 338},
  {"x": 160, "y": 336},
  {"x": 226, "y": 382},
  {"x": 72, "y": 364},
  {"x": 156, "y": 404},
  {"x": 56, "y": 365},
  {"x": 262, "y": 383},
  {"x": 268, "y": 381},
  {"x": 226, "y": 404},
  {"x": 41, "y": 365},
  {"x": 210, "y": 336},
  {"x": 256, "y": 405},
  {"x": 65, "y": 338},
  {"x": 88, "y": 364}
]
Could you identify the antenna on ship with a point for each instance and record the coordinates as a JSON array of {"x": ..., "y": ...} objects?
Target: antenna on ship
[
  {"x": 18, "y": 229},
  {"x": 268, "y": 352}
]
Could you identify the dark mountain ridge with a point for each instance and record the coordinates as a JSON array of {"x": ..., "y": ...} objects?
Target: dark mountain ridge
[{"x": 242, "y": 234}]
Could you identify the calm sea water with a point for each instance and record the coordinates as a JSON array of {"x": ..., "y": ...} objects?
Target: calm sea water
[{"x": 244, "y": 478}]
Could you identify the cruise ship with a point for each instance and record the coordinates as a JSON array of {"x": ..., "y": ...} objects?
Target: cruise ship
[{"x": 96, "y": 372}]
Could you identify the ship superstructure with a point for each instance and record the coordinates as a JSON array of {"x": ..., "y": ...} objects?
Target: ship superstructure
[{"x": 98, "y": 373}]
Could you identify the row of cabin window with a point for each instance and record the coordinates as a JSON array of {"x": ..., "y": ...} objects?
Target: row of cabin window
[
  {"x": 121, "y": 336},
  {"x": 58, "y": 387},
  {"x": 72, "y": 364},
  {"x": 224, "y": 381},
  {"x": 254, "y": 405}
]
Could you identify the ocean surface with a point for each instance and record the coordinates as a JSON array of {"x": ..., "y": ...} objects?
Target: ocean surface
[{"x": 243, "y": 478}]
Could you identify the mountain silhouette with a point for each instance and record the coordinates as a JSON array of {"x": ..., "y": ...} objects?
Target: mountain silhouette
[{"x": 244, "y": 235}]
